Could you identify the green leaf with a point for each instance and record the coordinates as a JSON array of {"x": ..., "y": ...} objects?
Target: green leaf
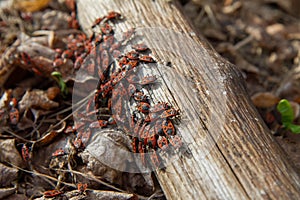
[
  {"x": 294, "y": 128},
  {"x": 57, "y": 74},
  {"x": 286, "y": 111},
  {"x": 63, "y": 87}
]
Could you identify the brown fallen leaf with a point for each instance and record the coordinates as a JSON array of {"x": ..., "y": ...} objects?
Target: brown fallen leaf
[
  {"x": 53, "y": 92},
  {"x": 4, "y": 100},
  {"x": 42, "y": 157},
  {"x": 108, "y": 144},
  {"x": 8, "y": 175},
  {"x": 30, "y": 5},
  {"x": 9, "y": 153},
  {"x": 49, "y": 137},
  {"x": 37, "y": 99},
  {"x": 40, "y": 57},
  {"x": 5, "y": 192},
  {"x": 108, "y": 156},
  {"x": 264, "y": 99}
]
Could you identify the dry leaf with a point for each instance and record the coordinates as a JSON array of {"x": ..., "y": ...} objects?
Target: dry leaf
[
  {"x": 108, "y": 156},
  {"x": 37, "y": 99},
  {"x": 5, "y": 192},
  {"x": 4, "y": 99},
  {"x": 30, "y": 5},
  {"x": 264, "y": 99},
  {"x": 8, "y": 175},
  {"x": 107, "y": 145},
  {"x": 49, "y": 137},
  {"x": 53, "y": 92},
  {"x": 9, "y": 153}
]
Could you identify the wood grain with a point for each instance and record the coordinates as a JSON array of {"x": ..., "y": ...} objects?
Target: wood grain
[{"x": 232, "y": 154}]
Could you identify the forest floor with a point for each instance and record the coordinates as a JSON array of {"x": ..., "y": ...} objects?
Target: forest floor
[{"x": 262, "y": 38}]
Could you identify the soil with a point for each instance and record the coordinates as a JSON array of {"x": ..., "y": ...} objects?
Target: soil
[{"x": 261, "y": 37}]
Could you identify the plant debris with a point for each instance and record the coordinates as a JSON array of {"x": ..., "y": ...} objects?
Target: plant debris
[{"x": 51, "y": 149}]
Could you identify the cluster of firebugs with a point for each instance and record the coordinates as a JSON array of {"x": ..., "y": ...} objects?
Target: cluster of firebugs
[{"x": 150, "y": 127}]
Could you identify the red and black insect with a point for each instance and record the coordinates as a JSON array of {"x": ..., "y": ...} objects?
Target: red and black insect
[
  {"x": 106, "y": 88},
  {"x": 106, "y": 29},
  {"x": 58, "y": 152},
  {"x": 97, "y": 21},
  {"x": 113, "y": 15},
  {"x": 25, "y": 151},
  {"x": 58, "y": 62},
  {"x": 172, "y": 112},
  {"x": 14, "y": 114},
  {"x": 160, "y": 106},
  {"x": 25, "y": 59},
  {"x": 79, "y": 60},
  {"x": 77, "y": 143},
  {"x": 123, "y": 61},
  {"x": 135, "y": 144},
  {"x": 98, "y": 39},
  {"x": 139, "y": 96},
  {"x": 99, "y": 124},
  {"x": 132, "y": 55},
  {"x": 168, "y": 128},
  {"x": 111, "y": 121},
  {"x": 162, "y": 142},
  {"x": 73, "y": 23},
  {"x": 131, "y": 90},
  {"x": 146, "y": 80},
  {"x": 105, "y": 60},
  {"x": 67, "y": 54},
  {"x": 143, "y": 107},
  {"x": 119, "y": 77},
  {"x": 52, "y": 193},
  {"x": 81, "y": 187},
  {"x": 140, "y": 47},
  {"x": 155, "y": 159},
  {"x": 110, "y": 16},
  {"x": 146, "y": 59}
]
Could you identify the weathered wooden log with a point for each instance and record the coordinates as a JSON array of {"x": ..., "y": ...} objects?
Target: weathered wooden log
[{"x": 232, "y": 154}]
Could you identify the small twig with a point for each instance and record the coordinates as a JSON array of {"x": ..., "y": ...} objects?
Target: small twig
[
  {"x": 15, "y": 135},
  {"x": 91, "y": 177},
  {"x": 43, "y": 175},
  {"x": 211, "y": 15},
  {"x": 156, "y": 194},
  {"x": 243, "y": 42},
  {"x": 94, "y": 178},
  {"x": 35, "y": 128},
  {"x": 49, "y": 34},
  {"x": 79, "y": 104}
]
